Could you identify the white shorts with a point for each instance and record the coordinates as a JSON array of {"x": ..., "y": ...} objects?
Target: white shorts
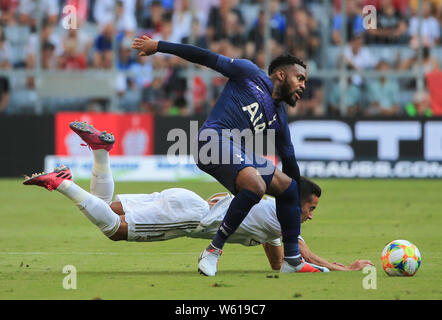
[{"x": 162, "y": 215}]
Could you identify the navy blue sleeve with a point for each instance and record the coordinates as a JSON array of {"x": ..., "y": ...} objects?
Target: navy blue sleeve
[
  {"x": 285, "y": 149},
  {"x": 231, "y": 68}
]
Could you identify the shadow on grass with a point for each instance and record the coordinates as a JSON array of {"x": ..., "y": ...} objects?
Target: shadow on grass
[{"x": 173, "y": 273}]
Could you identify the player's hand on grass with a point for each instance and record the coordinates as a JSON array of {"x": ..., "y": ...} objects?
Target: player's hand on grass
[
  {"x": 339, "y": 264},
  {"x": 145, "y": 45},
  {"x": 359, "y": 264}
]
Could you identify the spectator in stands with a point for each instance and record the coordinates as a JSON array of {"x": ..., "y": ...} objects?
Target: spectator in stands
[
  {"x": 4, "y": 94},
  {"x": 103, "y": 55},
  {"x": 430, "y": 28},
  {"x": 303, "y": 33},
  {"x": 166, "y": 29},
  {"x": 28, "y": 11},
  {"x": 48, "y": 58},
  {"x": 233, "y": 30},
  {"x": 255, "y": 37},
  {"x": 47, "y": 36},
  {"x": 71, "y": 59},
  {"x": 8, "y": 10},
  {"x": 126, "y": 23},
  {"x": 142, "y": 70},
  {"x": 182, "y": 20},
  {"x": 200, "y": 39},
  {"x": 354, "y": 25},
  {"x": 358, "y": 57},
  {"x": 83, "y": 42},
  {"x": 383, "y": 94},
  {"x": 179, "y": 107},
  {"x": 429, "y": 62},
  {"x": 391, "y": 26},
  {"x": 153, "y": 97},
  {"x": 278, "y": 20},
  {"x": 5, "y": 56},
  {"x": 219, "y": 18},
  {"x": 104, "y": 12},
  {"x": 5, "y": 51},
  {"x": 351, "y": 99},
  {"x": 125, "y": 58},
  {"x": 421, "y": 105},
  {"x": 204, "y": 8},
  {"x": 154, "y": 20}
]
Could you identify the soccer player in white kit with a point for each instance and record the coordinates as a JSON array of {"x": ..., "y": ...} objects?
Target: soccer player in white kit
[{"x": 174, "y": 212}]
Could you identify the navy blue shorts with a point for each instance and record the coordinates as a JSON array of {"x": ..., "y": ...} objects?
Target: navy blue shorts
[{"x": 223, "y": 159}]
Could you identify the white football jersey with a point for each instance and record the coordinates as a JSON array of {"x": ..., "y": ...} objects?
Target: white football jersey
[{"x": 260, "y": 226}]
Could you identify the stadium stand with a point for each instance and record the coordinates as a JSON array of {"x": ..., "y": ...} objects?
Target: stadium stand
[{"x": 36, "y": 51}]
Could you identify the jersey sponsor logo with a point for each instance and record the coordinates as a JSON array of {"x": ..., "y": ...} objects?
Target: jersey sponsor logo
[
  {"x": 253, "y": 109},
  {"x": 256, "y": 115},
  {"x": 259, "y": 89}
]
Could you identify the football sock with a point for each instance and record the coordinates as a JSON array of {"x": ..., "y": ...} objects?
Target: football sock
[
  {"x": 94, "y": 208},
  {"x": 238, "y": 210},
  {"x": 102, "y": 182},
  {"x": 288, "y": 212}
]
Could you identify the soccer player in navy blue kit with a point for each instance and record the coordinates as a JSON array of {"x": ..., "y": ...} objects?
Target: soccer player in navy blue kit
[{"x": 252, "y": 101}]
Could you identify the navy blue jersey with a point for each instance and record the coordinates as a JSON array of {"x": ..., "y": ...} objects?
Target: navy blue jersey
[{"x": 246, "y": 103}]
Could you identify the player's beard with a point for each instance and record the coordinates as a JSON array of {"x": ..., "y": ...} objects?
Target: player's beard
[{"x": 286, "y": 95}]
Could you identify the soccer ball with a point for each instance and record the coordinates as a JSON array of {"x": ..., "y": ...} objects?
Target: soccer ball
[{"x": 401, "y": 258}]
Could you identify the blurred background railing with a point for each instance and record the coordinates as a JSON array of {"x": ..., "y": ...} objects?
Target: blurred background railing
[{"x": 75, "y": 55}]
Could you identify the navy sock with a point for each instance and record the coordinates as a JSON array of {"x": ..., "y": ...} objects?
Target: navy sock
[
  {"x": 238, "y": 210},
  {"x": 288, "y": 212}
]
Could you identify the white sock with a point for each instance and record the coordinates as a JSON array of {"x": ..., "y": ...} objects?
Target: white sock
[
  {"x": 94, "y": 208},
  {"x": 102, "y": 182}
]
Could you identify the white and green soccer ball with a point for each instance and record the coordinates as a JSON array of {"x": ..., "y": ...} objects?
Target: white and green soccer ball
[{"x": 401, "y": 258}]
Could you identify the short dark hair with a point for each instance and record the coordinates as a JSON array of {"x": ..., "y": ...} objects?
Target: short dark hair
[
  {"x": 308, "y": 189},
  {"x": 285, "y": 60}
]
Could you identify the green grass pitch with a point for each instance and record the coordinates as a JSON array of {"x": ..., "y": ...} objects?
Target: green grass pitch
[{"x": 41, "y": 232}]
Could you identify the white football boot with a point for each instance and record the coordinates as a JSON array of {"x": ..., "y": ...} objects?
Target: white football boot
[{"x": 208, "y": 262}]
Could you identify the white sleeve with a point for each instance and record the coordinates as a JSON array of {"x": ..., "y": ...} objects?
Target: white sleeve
[{"x": 276, "y": 242}]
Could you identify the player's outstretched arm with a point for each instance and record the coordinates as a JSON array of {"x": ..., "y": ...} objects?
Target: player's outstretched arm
[
  {"x": 310, "y": 257},
  {"x": 228, "y": 67},
  {"x": 275, "y": 255}
]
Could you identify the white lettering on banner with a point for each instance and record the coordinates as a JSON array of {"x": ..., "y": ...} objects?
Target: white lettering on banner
[
  {"x": 337, "y": 149},
  {"x": 336, "y": 138},
  {"x": 388, "y": 134},
  {"x": 433, "y": 140},
  {"x": 370, "y": 169}
]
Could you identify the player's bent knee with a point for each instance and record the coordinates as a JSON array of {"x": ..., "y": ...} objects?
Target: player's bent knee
[
  {"x": 279, "y": 184},
  {"x": 249, "y": 178}
]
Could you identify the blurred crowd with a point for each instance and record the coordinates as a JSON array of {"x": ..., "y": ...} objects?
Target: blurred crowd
[{"x": 105, "y": 29}]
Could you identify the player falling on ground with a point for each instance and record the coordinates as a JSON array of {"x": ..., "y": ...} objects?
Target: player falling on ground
[
  {"x": 175, "y": 212},
  {"x": 252, "y": 101}
]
